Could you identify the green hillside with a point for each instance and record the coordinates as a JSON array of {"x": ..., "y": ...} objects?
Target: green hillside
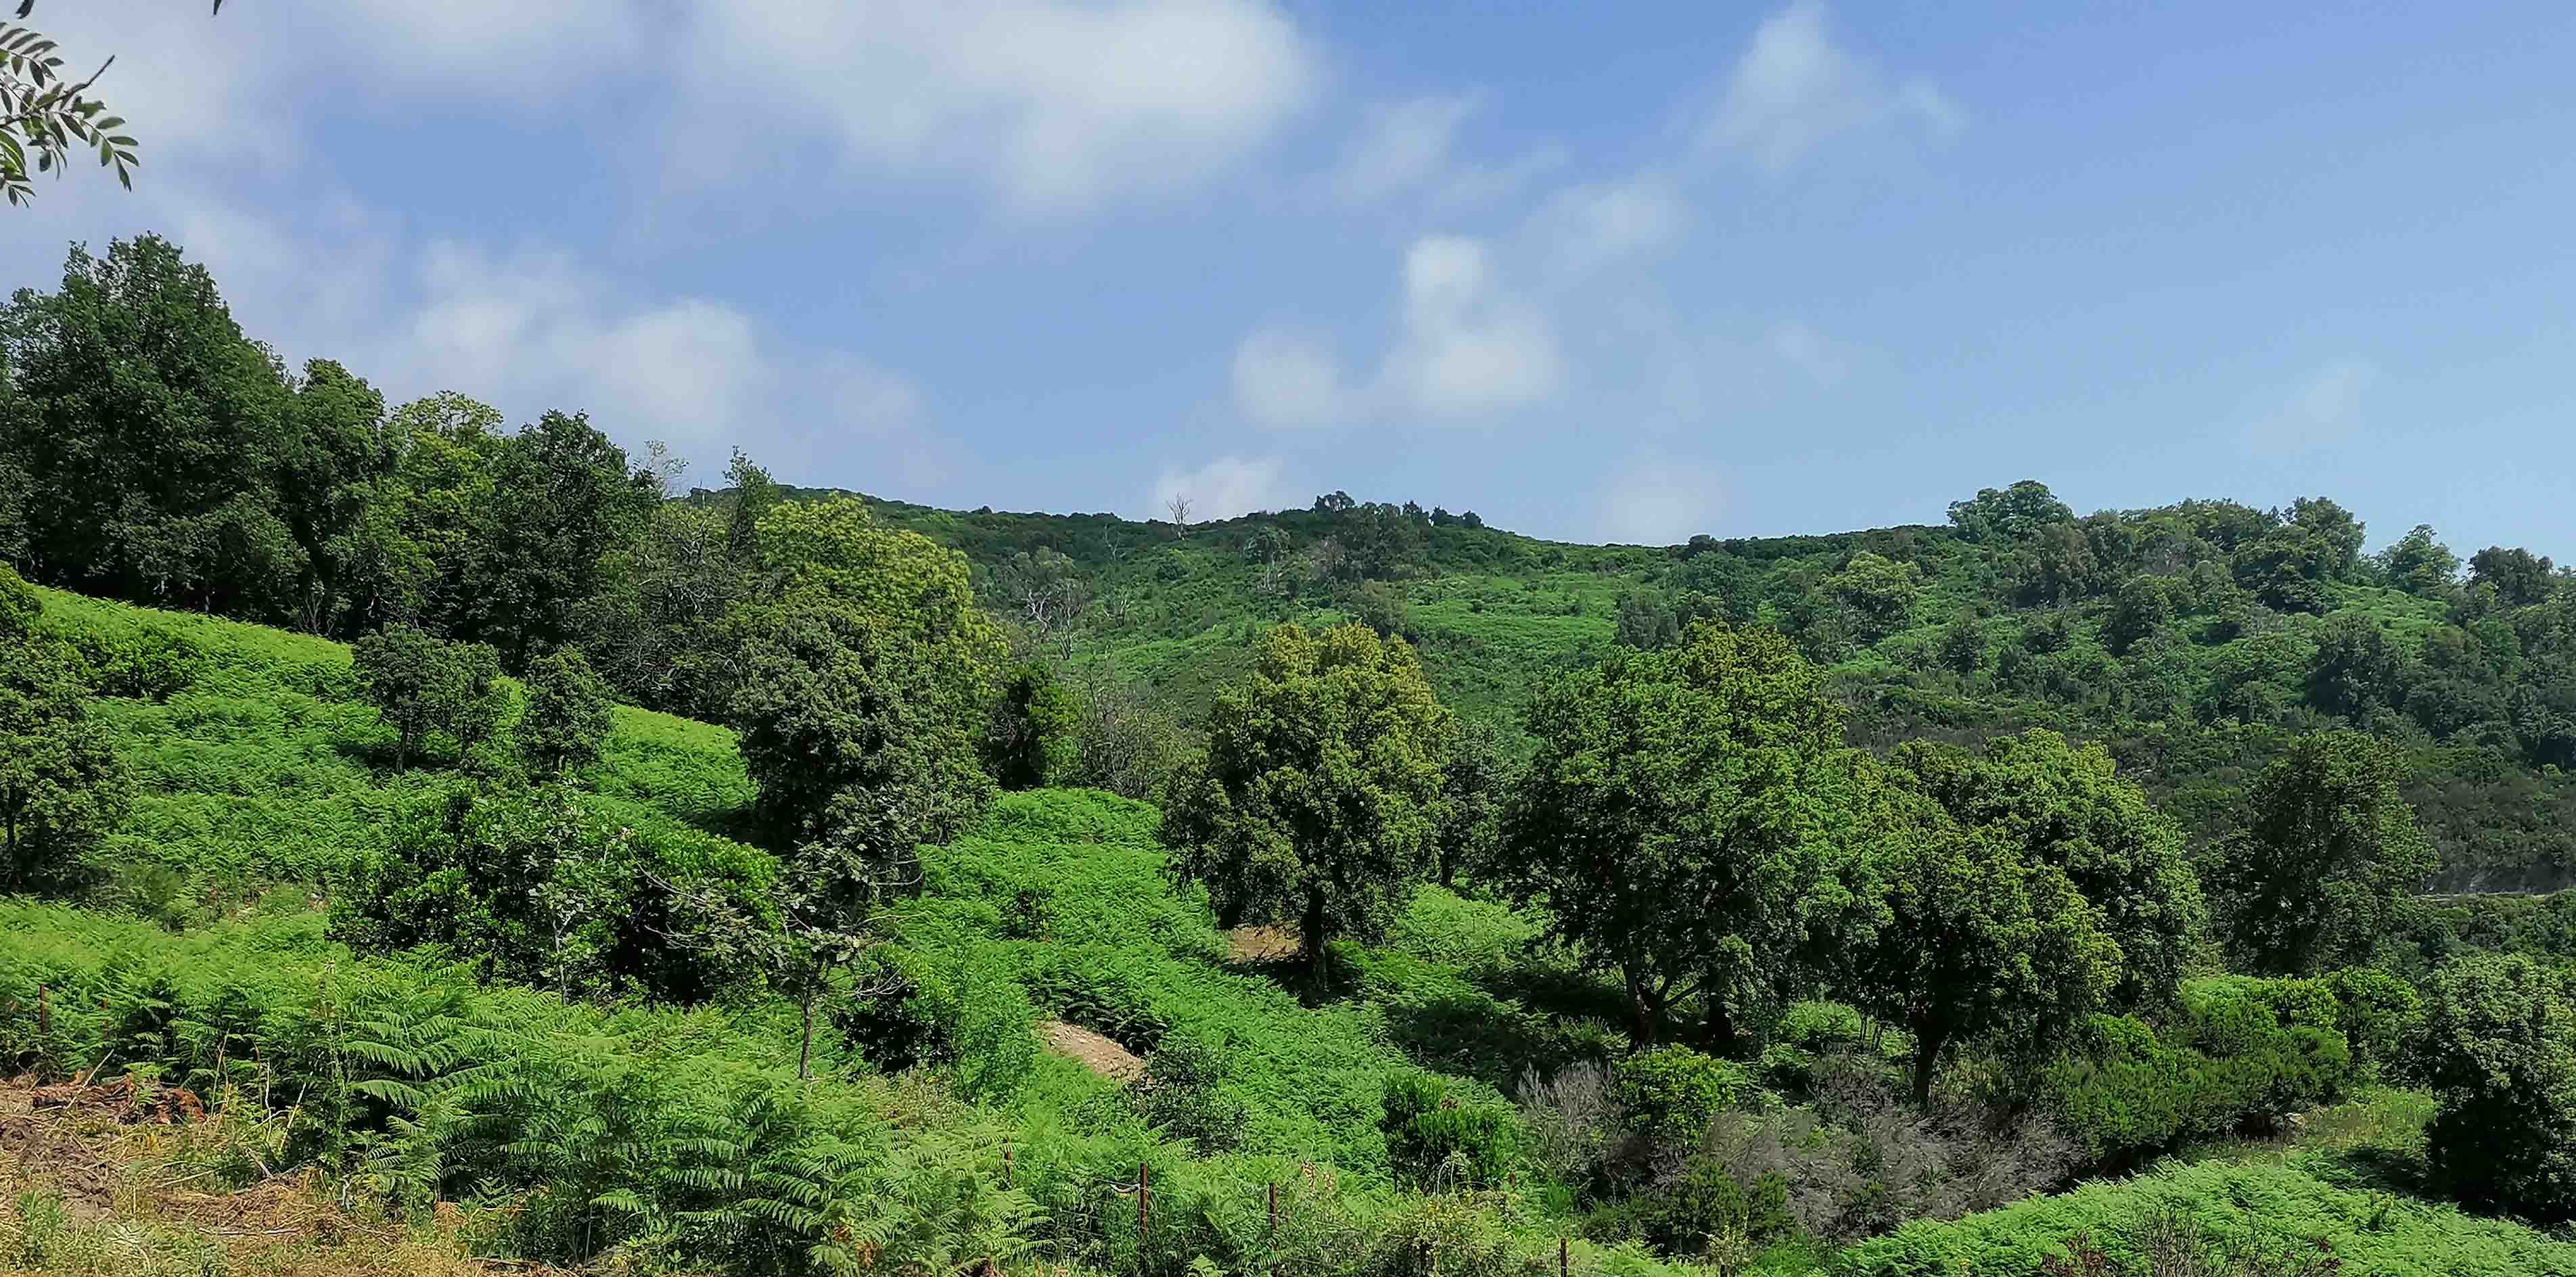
[{"x": 2194, "y": 639}]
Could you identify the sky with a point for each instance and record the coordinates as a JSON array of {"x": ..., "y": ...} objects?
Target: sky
[{"x": 1608, "y": 272}]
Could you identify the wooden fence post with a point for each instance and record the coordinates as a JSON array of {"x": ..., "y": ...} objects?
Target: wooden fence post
[{"x": 1144, "y": 1210}]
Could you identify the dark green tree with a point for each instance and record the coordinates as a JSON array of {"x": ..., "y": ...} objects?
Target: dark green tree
[
  {"x": 860, "y": 758},
  {"x": 2500, "y": 1053},
  {"x": 567, "y": 717},
  {"x": 1477, "y": 777},
  {"x": 2327, "y": 850},
  {"x": 332, "y": 458},
  {"x": 1969, "y": 937},
  {"x": 62, "y": 788},
  {"x": 2139, "y": 611},
  {"x": 2358, "y": 669},
  {"x": 2009, "y": 514},
  {"x": 563, "y": 500},
  {"x": 421, "y": 684},
  {"x": 150, "y": 438},
  {"x": 2419, "y": 564},
  {"x": 2520, "y": 577},
  {"x": 2065, "y": 808},
  {"x": 1681, "y": 819},
  {"x": 1033, "y": 739},
  {"x": 1319, "y": 800}
]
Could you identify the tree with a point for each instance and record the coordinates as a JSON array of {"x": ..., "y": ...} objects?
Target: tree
[
  {"x": 151, "y": 437},
  {"x": 563, "y": 500},
  {"x": 1681, "y": 819},
  {"x": 332, "y": 455},
  {"x": 852, "y": 738},
  {"x": 833, "y": 552},
  {"x": 2358, "y": 669},
  {"x": 1044, "y": 591},
  {"x": 1319, "y": 799},
  {"x": 1877, "y": 592},
  {"x": 420, "y": 684},
  {"x": 2419, "y": 564},
  {"x": 407, "y": 558},
  {"x": 2059, "y": 807},
  {"x": 2140, "y": 610},
  {"x": 62, "y": 787},
  {"x": 568, "y": 714},
  {"x": 2500, "y": 1053},
  {"x": 1968, "y": 937},
  {"x": 1032, "y": 741},
  {"x": 1178, "y": 507},
  {"x": 2009, "y": 514},
  {"x": 2327, "y": 849},
  {"x": 1962, "y": 645},
  {"x": 2520, "y": 577},
  {"x": 1476, "y": 779}
]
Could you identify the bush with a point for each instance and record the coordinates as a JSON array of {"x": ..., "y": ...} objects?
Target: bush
[
  {"x": 2500, "y": 1051},
  {"x": 1183, "y": 1094},
  {"x": 1670, "y": 1094},
  {"x": 2242, "y": 1055},
  {"x": 2377, "y": 1013},
  {"x": 567, "y": 718},
  {"x": 150, "y": 663},
  {"x": 1434, "y": 1136}
]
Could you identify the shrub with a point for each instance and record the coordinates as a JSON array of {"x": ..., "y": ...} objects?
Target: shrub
[
  {"x": 1435, "y": 1136},
  {"x": 2377, "y": 1013},
  {"x": 1671, "y": 1093},
  {"x": 1183, "y": 1094},
  {"x": 2500, "y": 1051},
  {"x": 150, "y": 663},
  {"x": 567, "y": 718}
]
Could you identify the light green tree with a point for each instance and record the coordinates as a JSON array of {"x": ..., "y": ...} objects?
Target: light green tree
[{"x": 1319, "y": 800}]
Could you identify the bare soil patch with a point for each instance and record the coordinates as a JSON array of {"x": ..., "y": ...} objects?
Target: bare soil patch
[
  {"x": 1273, "y": 942},
  {"x": 1092, "y": 1051}
]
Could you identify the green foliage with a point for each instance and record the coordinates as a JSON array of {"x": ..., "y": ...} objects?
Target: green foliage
[
  {"x": 62, "y": 789},
  {"x": 550, "y": 888},
  {"x": 2500, "y": 1052},
  {"x": 2240, "y": 1055},
  {"x": 1437, "y": 1137},
  {"x": 1034, "y": 738},
  {"x": 1679, "y": 821},
  {"x": 150, "y": 663},
  {"x": 1671, "y": 1093},
  {"x": 2329, "y": 845},
  {"x": 2279, "y": 1209},
  {"x": 1320, "y": 797},
  {"x": 421, "y": 684},
  {"x": 567, "y": 715}
]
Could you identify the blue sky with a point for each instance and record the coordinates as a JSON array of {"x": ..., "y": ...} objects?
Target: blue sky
[{"x": 1604, "y": 272}]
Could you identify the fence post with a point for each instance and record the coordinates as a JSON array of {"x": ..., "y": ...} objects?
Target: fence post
[
  {"x": 1144, "y": 1210},
  {"x": 1560, "y": 1257},
  {"x": 1006, "y": 1166}
]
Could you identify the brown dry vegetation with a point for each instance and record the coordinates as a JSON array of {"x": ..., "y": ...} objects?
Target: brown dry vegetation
[{"x": 124, "y": 1177}]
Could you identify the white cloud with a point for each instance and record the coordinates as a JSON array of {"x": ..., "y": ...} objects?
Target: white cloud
[
  {"x": 1795, "y": 88},
  {"x": 1058, "y": 105},
  {"x": 1286, "y": 378},
  {"x": 1404, "y": 144},
  {"x": 1470, "y": 347},
  {"x": 1411, "y": 148},
  {"x": 1659, "y": 501},
  {"x": 1584, "y": 229},
  {"x": 2323, "y": 408},
  {"x": 1224, "y": 488}
]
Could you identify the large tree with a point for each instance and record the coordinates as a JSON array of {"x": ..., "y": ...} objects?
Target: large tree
[
  {"x": 420, "y": 683},
  {"x": 2499, "y": 1050},
  {"x": 1682, "y": 818},
  {"x": 1320, "y": 797},
  {"x": 151, "y": 439},
  {"x": 2328, "y": 848},
  {"x": 851, "y": 733},
  {"x": 1968, "y": 934},
  {"x": 2056, "y": 805},
  {"x": 563, "y": 501}
]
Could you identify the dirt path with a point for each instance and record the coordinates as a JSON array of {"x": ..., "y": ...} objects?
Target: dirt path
[{"x": 1092, "y": 1051}]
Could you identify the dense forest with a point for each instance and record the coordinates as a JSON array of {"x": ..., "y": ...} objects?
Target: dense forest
[{"x": 556, "y": 863}]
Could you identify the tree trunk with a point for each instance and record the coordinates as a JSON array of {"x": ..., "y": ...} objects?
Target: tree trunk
[
  {"x": 1927, "y": 1059},
  {"x": 1646, "y": 1012},
  {"x": 1718, "y": 1033},
  {"x": 1311, "y": 931}
]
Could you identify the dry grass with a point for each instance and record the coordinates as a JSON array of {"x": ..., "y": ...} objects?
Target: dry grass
[
  {"x": 1276, "y": 942},
  {"x": 127, "y": 1178}
]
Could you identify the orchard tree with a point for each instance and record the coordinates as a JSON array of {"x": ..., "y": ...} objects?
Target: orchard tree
[
  {"x": 835, "y": 553},
  {"x": 1682, "y": 819},
  {"x": 2058, "y": 806},
  {"x": 2328, "y": 848},
  {"x": 2520, "y": 577},
  {"x": 62, "y": 788},
  {"x": 850, "y": 732},
  {"x": 1319, "y": 800},
  {"x": 420, "y": 684},
  {"x": 1475, "y": 782},
  {"x": 2420, "y": 564},
  {"x": 563, "y": 501},
  {"x": 2009, "y": 514},
  {"x": 1968, "y": 936},
  {"x": 567, "y": 717},
  {"x": 2500, "y": 1055},
  {"x": 1877, "y": 592}
]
